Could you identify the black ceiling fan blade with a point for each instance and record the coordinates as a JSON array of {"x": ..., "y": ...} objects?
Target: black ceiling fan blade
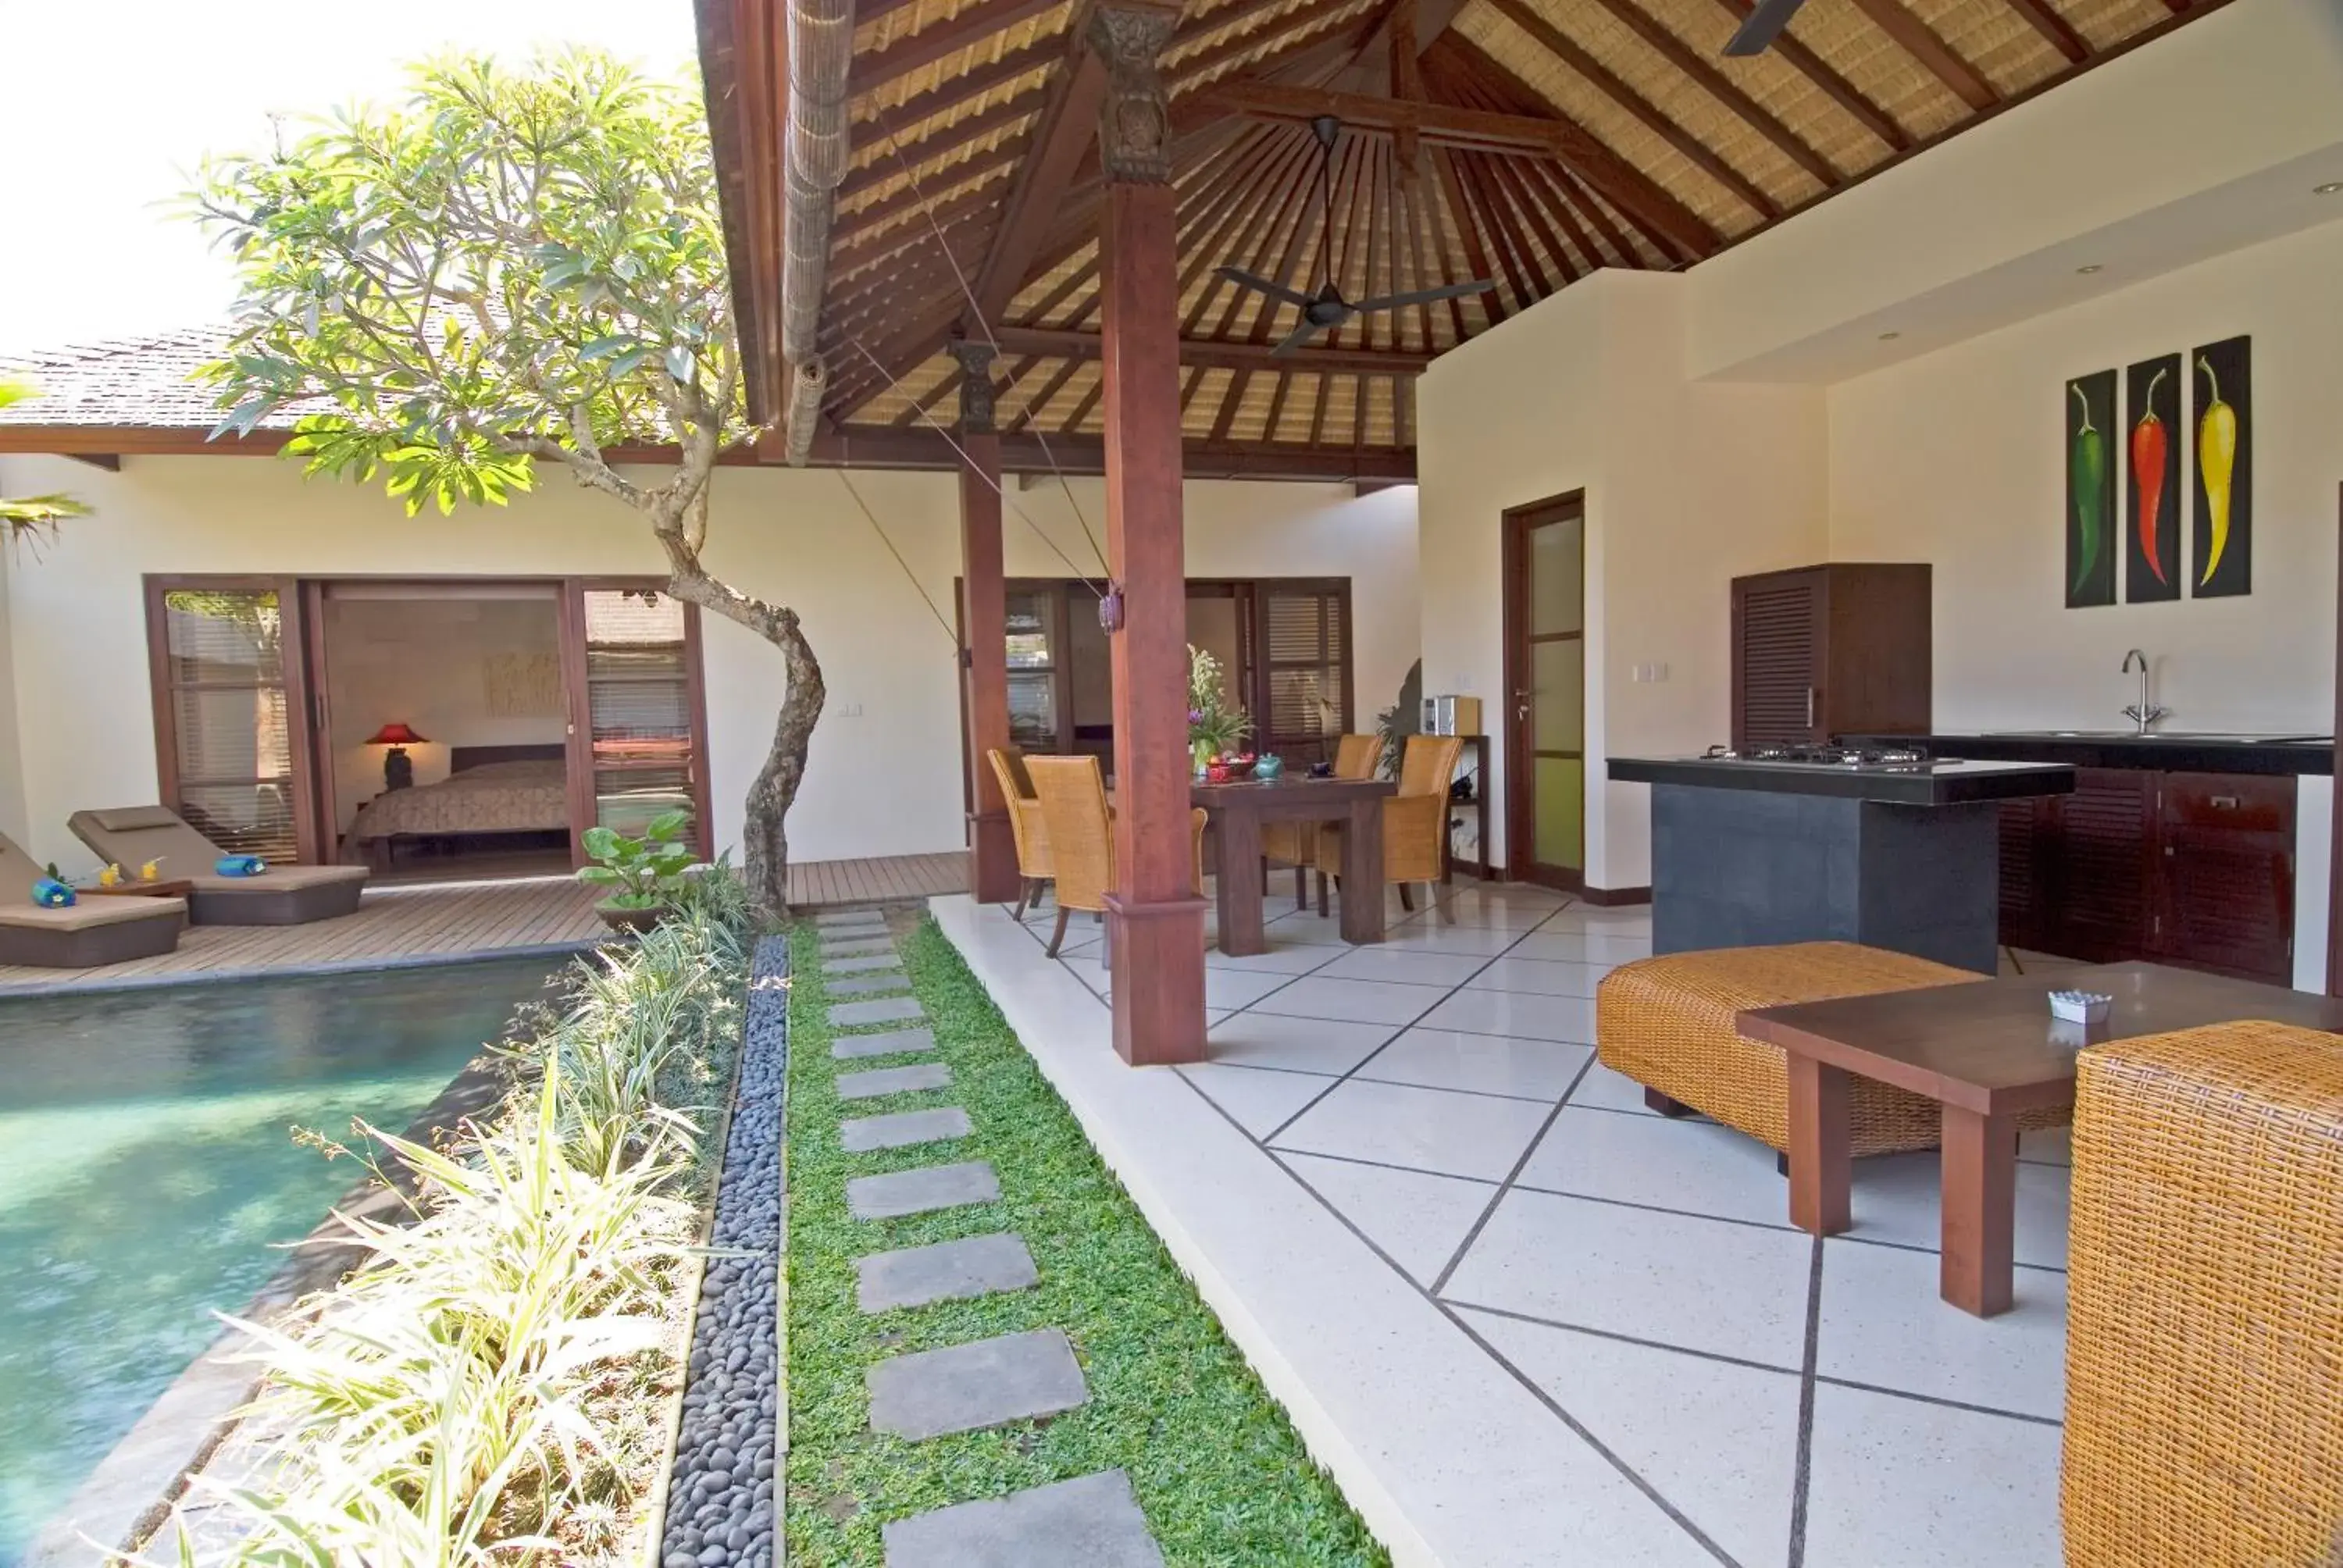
[
  {"x": 1304, "y": 334},
  {"x": 1260, "y": 284},
  {"x": 1762, "y": 25},
  {"x": 1426, "y": 296}
]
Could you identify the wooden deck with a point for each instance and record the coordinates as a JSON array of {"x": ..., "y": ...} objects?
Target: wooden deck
[
  {"x": 834, "y": 884},
  {"x": 393, "y": 924}
]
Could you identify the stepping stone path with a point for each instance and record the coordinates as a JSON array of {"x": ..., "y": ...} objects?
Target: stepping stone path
[
  {"x": 894, "y": 1081},
  {"x": 1090, "y": 1522},
  {"x": 904, "y": 1128}
]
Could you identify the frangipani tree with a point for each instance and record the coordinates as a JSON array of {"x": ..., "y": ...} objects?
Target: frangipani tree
[
  {"x": 24, "y": 518},
  {"x": 517, "y": 266}
]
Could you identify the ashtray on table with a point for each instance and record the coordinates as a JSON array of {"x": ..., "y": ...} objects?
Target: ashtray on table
[{"x": 2080, "y": 1006}]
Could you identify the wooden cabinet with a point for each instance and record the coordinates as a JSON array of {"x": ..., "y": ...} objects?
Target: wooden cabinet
[
  {"x": 2190, "y": 869},
  {"x": 1830, "y": 650}
]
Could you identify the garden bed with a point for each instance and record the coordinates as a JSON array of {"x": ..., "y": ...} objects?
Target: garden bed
[{"x": 1216, "y": 1470}]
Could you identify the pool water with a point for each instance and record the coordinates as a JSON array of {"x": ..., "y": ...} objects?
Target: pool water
[{"x": 148, "y": 1177}]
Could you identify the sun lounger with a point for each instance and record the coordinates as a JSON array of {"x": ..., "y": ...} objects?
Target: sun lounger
[
  {"x": 130, "y": 836},
  {"x": 94, "y": 931}
]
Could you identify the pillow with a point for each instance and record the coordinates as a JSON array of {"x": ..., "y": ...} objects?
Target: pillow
[
  {"x": 131, "y": 819},
  {"x": 52, "y": 894},
  {"x": 239, "y": 866}
]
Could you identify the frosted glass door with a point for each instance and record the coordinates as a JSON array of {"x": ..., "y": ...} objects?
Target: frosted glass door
[{"x": 1547, "y": 621}]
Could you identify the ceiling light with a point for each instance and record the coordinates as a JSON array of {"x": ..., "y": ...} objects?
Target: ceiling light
[
  {"x": 2087, "y": 271},
  {"x": 1889, "y": 336},
  {"x": 2329, "y": 189}
]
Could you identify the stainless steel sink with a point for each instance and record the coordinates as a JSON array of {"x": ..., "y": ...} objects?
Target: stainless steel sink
[
  {"x": 2231, "y": 736},
  {"x": 2058, "y": 734}
]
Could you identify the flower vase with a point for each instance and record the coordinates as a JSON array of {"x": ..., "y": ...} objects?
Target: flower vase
[{"x": 1202, "y": 750}]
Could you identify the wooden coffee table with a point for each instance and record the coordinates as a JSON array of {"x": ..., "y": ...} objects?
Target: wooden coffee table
[{"x": 1987, "y": 1052}]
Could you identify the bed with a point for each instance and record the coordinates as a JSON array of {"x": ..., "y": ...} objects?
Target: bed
[{"x": 490, "y": 791}]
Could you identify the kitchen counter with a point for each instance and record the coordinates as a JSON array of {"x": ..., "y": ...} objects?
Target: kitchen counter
[
  {"x": 1944, "y": 783},
  {"x": 2177, "y": 751}
]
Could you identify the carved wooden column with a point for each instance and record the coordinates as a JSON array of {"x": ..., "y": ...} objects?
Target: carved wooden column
[
  {"x": 1155, "y": 916},
  {"x": 984, "y": 619}
]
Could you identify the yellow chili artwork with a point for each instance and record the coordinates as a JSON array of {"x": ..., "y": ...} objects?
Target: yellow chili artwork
[{"x": 2222, "y": 445}]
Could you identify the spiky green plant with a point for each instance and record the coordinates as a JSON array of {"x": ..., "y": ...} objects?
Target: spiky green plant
[{"x": 28, "y": 517}]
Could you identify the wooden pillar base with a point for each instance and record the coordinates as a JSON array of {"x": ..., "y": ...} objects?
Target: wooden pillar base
[
  {"x": 992, "y": 874},
  {"x": 1155, "y": 963}
]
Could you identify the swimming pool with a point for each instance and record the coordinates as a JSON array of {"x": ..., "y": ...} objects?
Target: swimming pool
[{"x": 147, "y": 1176}]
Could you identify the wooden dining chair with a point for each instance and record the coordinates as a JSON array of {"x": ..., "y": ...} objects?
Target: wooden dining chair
[
  {"x": 1295, "y": 844},
  {"x": 1072, "y": 795},
  {"x": 1025, "y": 824},
  {"x": 1415, "y": 825}
]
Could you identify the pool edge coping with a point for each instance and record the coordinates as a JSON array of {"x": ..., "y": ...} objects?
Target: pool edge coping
[{"x": 28, "y": 990}]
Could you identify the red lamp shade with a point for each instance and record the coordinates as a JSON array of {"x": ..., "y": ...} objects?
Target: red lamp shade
[{"x": 396, "y": 735}]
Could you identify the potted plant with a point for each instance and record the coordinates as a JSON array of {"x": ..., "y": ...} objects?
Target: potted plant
[
  {"x": 1214, "y": 725},
  {"x": 647, "y": 872}
]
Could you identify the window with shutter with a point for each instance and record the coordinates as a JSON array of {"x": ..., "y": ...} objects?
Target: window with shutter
[
  {"x": 639, "y": 713},
  {"x": 1304, "y": 701},
  {"x": 226, "y": 711}
]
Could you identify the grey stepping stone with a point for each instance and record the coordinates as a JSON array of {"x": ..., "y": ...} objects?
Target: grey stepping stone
[
  {"x": 849, "y": 917},
  {"x": 894, "y": 1042},
  {"x": 867, "y": 947},
  {"x": 893, "y": 1081},
  {"x": 861, "y": 963},
  {"x": 862, "y": 985},
  {"x": 885, "y": 1010},
  {"x": 947, "y": 1271},
  {"x": 903, "y": 1128},
  {"x": 930, "y": 1187},
  {"x": 1090, "y": 1522},
  {"x": 970, "y": 1387}
]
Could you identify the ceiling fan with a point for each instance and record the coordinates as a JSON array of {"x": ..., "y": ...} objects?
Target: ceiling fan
[
  {"x": 1326, "y": 309},
  {"x": 1762, "y": 27}
]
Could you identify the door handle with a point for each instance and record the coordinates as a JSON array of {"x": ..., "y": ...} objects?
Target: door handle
[{"x": 1810, "y": 708}]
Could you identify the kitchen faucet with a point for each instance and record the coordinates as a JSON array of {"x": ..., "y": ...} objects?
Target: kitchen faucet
[{"x": 2143, "y": 712}]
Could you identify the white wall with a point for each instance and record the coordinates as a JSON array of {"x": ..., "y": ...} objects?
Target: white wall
[
  {"x": 12, "y": 773},
  {"x": 1957, "y": 458},
  {"x": 424, "y": 662},
  {"x": 883, "y": 782},
  {"x": 1688, "y": 486}
]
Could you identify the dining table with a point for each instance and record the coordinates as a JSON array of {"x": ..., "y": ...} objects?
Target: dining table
[{"x": 1239, "y": 808}]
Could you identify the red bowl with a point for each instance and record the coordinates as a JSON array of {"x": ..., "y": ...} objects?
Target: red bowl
[
  {"x": 1216, "y": 773},
  {"x": 1240, "y": 767}
]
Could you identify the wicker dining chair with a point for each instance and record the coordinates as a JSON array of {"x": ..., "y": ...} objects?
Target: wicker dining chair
[
  {"x": 1072, "y": 795},
  {"x": 1025, "y": 824},
  {"x": 1295, "y": 844},
  {"x": 1415, "y": 825}
]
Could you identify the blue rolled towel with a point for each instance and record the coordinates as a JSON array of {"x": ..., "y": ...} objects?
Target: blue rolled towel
[
  {"x": 240, "y": 865},
  {"x": 52, "y": 894}
]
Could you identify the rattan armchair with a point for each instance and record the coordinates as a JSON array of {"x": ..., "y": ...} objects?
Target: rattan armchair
[
  {"x": 1072, "y": 795},
  {"x": 1025, "y": 823},
  {"x": 1295, "y": 844},
  {"x": 1415, "y": 825},
  {"x": 2205, "y": 1302}
]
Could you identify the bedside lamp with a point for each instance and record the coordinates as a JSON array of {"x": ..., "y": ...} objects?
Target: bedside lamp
[{"x": 397, "y": 768}]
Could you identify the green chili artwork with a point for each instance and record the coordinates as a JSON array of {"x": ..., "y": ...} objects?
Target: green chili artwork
[{"x": 2091, "y": 543}]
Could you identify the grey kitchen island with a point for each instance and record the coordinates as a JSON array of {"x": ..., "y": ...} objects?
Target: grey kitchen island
[{"x": 1885, "y": 848}]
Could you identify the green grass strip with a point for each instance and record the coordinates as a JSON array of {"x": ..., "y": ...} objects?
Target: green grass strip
[{"x": 1220, "y": 1474}]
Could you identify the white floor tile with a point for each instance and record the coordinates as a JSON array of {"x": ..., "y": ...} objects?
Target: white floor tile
[
  {"x": 1282, "y": 958},
  {"x": 1419, "y": 1220},
  {"x": 1482, "y": 1063},
  {"x": 1719, "y": 1442},
  {"x": 1432, "y": 935},
  {"x": 1421, "y": 1129},
  {"x": 2054, "y": 1144},
  {"x": 1298, "y": 1044},
  {"x": 1898, "y": 1483},
  {"x": 1622, "y": 921},
  {"x": 1559, "y": 1017},
  {"x": 1292, "y": 926},
  {"x": 1697, "y": 1284},
  {"x": 1884, "y": 1323},
  {"x": 1583, "y": 947},
  {"x": 1354, "y": 1001},
  {"x": 1259, "y": 1102},
  {"x": 1610, "y": 1090},
  {"x": 1404, "y": 966},
  {"x": 1539, "y": 977},
  {"x": 1504, "y": 915},
  {"x": 1696, "y": 1167},
  {"x": 1899, "y": 1197}
]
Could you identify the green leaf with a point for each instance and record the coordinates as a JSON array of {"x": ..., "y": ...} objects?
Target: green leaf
[
  {"x": 603, "y": 347},
  {"x": 668, "y": 824},
  {"x": 599, "y": 874},
  {"x": 678, "y": 363},
  {"x": 601, "y": 843}
]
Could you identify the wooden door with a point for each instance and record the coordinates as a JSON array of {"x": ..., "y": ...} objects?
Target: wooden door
[
  {"x": 638, "y": 725},
  {"x": 1301, "y": 699},
  {"x": 1778, "y": 626},
  {"x": 2099, "y": 879},
  {"x": 235, "y": 719},
  {"x": 1545, "y": 674}
]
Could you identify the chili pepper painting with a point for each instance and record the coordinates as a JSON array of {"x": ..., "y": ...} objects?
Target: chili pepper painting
[
  {"x": 2151, "y": 513},
  {"x": 2091, "y": 543},
  {"x": 2222, "y": 443}
]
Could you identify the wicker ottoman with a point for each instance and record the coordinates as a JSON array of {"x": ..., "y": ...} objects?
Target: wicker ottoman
[{"x": 1667, "y": 1022}]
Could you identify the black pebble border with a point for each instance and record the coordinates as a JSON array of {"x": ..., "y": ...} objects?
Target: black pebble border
[{"x": 719, "y": 1512}]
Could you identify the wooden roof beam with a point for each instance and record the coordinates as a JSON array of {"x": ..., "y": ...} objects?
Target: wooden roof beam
[
  {"x": 941, "y": 41},
  {"x": 1832, "y": 86},
  {"x": 2044, "y": 18},
  {"x": 1476, "y": 130},
  {"x": 887, "y": 447},
  {"x": 1915, "y": 38},
  {"x": 1716, "y": 85},
  {"x": 1067, "y": 130}
]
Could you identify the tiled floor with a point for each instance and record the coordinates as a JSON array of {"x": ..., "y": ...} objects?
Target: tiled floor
[{"x": 1766, "y": 1399}]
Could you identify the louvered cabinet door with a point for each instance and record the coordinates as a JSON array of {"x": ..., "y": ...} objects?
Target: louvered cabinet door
[
  {"x": 2021, "y": 832},
  {"x": 2227, "y": 864},
  {"x": 1778, "y": 659},
  {"x": 2099, "y": 880}
]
